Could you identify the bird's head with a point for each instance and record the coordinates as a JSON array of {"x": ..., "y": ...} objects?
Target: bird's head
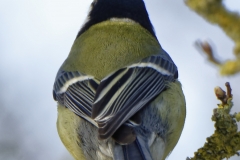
[{"x": 126, "y": 10}]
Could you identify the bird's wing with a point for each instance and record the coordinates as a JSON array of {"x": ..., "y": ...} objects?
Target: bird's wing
[
  {"x": 76, "y": 91},
  {"x": 122, "y": 94}
]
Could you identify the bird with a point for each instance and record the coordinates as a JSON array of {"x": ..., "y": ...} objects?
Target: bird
[{"x": 118, "y": 93}]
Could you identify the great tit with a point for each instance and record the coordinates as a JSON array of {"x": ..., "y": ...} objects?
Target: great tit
[{"x": 118, "y": 92}]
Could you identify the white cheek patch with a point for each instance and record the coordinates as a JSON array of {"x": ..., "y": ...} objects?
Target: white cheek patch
[{"x": 89, "y": 10}]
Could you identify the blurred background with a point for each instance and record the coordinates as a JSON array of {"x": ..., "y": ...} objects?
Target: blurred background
[{"x": 36, "y": 37}]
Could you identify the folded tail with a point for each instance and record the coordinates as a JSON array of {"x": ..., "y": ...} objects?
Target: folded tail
[{"x": 138, "y": 150}]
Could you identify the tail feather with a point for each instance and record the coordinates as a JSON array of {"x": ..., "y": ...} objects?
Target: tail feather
[{"x": 138, "y": 150}]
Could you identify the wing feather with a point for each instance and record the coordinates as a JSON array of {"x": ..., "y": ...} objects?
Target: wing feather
[
  {"x": 112, "y": 102},
  {"x": 76, "y": 91},
  {"x": 122, "y": 94}
]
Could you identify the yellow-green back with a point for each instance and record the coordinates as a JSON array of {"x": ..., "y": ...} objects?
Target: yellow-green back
[{"x": 109, "y": 46}]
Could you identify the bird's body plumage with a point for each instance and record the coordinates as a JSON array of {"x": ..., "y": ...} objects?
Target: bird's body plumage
[
  {"x": 162, "y": 126},
  {"x": 118, "y": 94}
]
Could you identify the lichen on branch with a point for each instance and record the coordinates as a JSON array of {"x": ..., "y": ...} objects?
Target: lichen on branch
[{"x": 225, "y": 142}]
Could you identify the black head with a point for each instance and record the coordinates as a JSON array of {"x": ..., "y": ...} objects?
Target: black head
[{"x": 103, "y": 10}]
